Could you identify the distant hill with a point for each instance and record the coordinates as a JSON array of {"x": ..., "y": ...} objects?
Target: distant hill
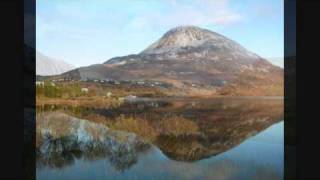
[
  {"x": 47, "y": 66},
  {"x": 194, "y": 61}
]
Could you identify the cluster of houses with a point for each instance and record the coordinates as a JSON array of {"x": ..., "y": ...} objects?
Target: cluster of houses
[
  {"x": 62, "y": 79},
  {"x": 83, "y": 90},
  {"x": 128, "y": 82},
  {"x": 214, "y": 83},
  {"x": 112, "y": 82},
  {"x": 41, "y": 83}
]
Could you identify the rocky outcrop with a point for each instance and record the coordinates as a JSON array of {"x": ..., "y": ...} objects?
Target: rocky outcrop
[{"x": 61, "y": 138}]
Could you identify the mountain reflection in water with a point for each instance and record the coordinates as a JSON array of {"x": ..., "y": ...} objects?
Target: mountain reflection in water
[
  {"x": 120, "y": 161},
  {"x": 183, "y": 130}
]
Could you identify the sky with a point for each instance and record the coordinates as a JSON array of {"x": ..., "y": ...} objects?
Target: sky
[{"x": 85, "y": 32}]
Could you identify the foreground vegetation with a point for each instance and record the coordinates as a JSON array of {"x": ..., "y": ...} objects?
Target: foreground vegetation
[{"x": 89, "y": 93}]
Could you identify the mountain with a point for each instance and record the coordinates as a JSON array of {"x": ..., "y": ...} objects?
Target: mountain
[
  {"x": 194, "y": 61},
  {"x": 47, "y": 66}
]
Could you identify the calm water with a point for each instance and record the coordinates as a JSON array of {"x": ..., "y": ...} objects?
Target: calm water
[{"x": 237, "y": 139}]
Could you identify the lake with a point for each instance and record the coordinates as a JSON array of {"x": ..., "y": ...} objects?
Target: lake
[{"x": 215, "y": 138}]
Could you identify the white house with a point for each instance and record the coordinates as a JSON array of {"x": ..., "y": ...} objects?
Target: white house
[{"x": 85, "y": 90}]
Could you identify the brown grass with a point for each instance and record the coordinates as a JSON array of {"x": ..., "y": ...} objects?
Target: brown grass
[
  {"x": 138, "y": 126},
  {"x": 95, "y": 101},
  {"x": 177, "y": 125}
]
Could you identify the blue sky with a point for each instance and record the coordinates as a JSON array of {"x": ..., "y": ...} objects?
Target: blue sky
[{"x": 84, "y": 32}]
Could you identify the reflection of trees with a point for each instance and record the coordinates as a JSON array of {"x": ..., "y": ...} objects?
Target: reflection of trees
[
  {"x": 67, "y": 158},
  {"x": 55, "y": 160},
  {"x": 123, "y": 159}
]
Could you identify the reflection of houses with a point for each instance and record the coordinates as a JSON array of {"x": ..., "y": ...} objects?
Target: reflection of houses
[{"x": 41, "y": 83}]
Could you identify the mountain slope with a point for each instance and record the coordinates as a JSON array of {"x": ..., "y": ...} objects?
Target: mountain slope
[
  {"x": 194, "y": 61},
  {"x": 47, "y": 66}
]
